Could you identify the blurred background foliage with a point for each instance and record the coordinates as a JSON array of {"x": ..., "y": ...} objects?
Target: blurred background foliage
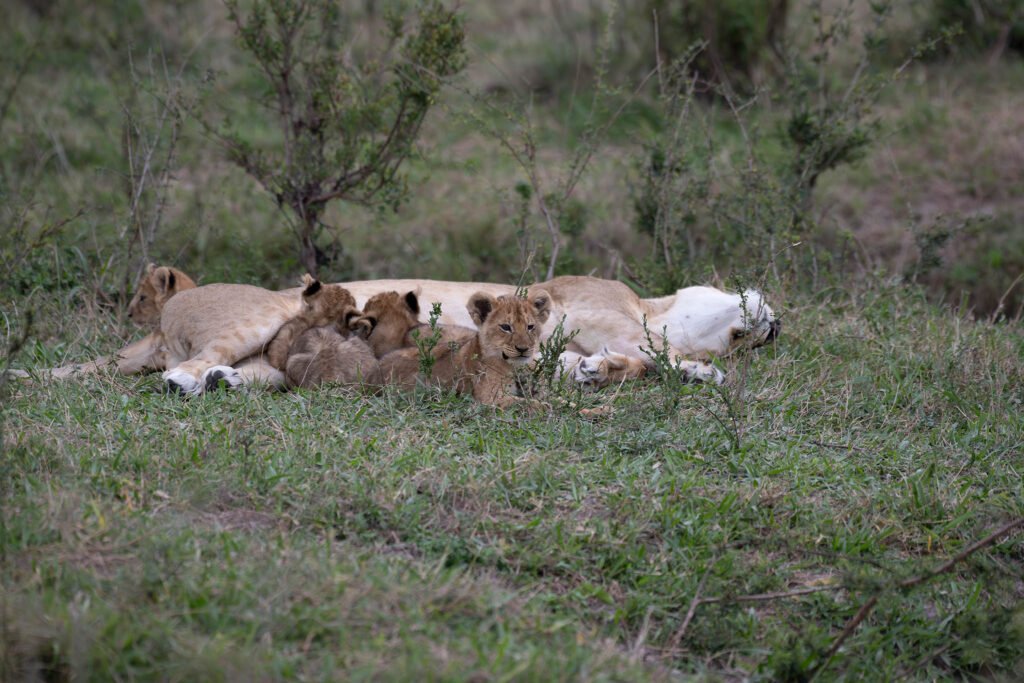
[{"x": 783, "y": 142}]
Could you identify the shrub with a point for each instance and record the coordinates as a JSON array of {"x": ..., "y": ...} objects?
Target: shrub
[{"x": 345, "y": 127}]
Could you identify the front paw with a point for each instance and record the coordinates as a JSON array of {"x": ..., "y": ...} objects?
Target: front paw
[
  {"x": 702, "y": 373},
  {"x": 221, "y": 376},
  {"x": 181, "y": 382}
]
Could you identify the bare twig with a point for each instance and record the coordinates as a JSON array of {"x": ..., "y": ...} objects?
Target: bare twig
[
  {"x": 780, "y": 595},
  {"x": 677, "y": 637},
  {"x": 906, "y": 584}
]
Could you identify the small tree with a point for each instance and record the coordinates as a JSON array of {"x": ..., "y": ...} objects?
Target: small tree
[{"x": 346, "y": 127}]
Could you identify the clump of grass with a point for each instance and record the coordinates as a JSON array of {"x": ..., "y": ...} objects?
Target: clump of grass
[{"x": 426, "y": 343}]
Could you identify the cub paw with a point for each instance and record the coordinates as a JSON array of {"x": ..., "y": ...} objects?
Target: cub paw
[{"x": 220, "y": 375}]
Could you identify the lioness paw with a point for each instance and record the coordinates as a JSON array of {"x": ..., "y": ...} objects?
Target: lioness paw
[
  {"x": 214, "y": 377},
  {"x": 702, "y": 373},
  {"x": 181, "y": 382}
]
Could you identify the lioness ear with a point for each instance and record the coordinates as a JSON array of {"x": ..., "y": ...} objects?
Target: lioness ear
[
  {"x": 312, "y": 287},
  {"x": 412, "y": 302},
  {"x": 480, "y": 306},
  {"x": 616, "y": 361},
  {"x": 542, "y": 305}
]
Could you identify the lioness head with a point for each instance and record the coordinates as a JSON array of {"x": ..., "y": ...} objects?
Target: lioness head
[
  {"x": 387, "y": 317},
  {"x": 327, "y": 304},
  {"x": 509, "y": 325},
  {"x": 158, "y": 285}
]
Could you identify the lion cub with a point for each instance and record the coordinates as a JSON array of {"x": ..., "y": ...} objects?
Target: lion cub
[
  {"x": 324, "y": 354},
  {"x": 388, "y": 320},
  {"x": 158, "y": 285},
  {"x": 322, "y": 305},
  {"x": 480, "y": 363}
]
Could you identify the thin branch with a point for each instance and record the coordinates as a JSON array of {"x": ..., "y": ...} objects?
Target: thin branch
[
  {"x": 912, "y": 582},
  {"x": 780, "y": 595},
  {"x": 694, "y": 604}
]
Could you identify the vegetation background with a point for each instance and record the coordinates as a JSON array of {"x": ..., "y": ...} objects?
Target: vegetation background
[{"x": 860, "y": 162}]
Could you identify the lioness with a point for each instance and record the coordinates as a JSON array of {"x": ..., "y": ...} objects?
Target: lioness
[
  {"x": 508, "y": 332},
  {"x": 157, "y": 286},
  {"x": 222, "y": 325}
]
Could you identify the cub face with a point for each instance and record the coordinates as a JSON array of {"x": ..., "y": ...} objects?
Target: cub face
[
  {"x": 509, "y": 325},
  {"x": 327, "y": 304},
  {"x": 158, "y": 285}
]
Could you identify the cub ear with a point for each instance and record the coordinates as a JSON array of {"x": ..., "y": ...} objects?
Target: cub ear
[
  {"x": 312, "y": 287},
  {"x": 480, "y": 306},
  {"x": 413, "y": 302},
  {"x": 362, "y": 326},
  {"x": 150, "y": 268},
  {"x": 542, "y": 306},
  {"x": 306, "y": 280},
  {"x": 162, "y": 279}
]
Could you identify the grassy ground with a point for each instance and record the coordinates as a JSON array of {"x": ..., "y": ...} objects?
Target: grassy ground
[
  {"x": 325, "y": 534},
  {"x": 320, "y": 535}
]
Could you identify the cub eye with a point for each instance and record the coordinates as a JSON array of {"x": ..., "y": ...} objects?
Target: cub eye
[
  {"x": 142, "y": 298},
  {"x": 530, "y": 327},
  {"x": 505, "y": 327}
]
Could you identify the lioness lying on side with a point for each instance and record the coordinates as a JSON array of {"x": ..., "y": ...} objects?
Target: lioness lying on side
[
  {"x": 482, "y": 363},
  {"x": 215, "y": 327}
]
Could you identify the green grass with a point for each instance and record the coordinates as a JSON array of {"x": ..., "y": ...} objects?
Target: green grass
[
  {"x": 326, "y": 534},
  {"x": 329, "y": 535}
]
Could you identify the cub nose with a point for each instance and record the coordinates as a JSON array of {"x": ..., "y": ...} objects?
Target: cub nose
[
  {"x": 522, "y": 350},
  {"x": 774, "y": 327}
]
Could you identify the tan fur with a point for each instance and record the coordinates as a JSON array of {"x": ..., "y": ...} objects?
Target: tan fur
[
  {"x": 508, "y": 332},
  {"x": 148, "y": 354},
  {"x": 158, "y": 285},
  {"x": 601, "y": 369},
  {"x": 321, "y": 305},
  {"x": 387, "y": 320},
  {"x": 619, "y": 368},
  {"x": 697, "y": 322},
  {"x": 323, "y": 356}
]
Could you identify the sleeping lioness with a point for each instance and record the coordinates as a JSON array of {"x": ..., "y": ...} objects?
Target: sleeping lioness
[
  {"x": 206, "y": 330},
  {"x": 482, "y": 363}
]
